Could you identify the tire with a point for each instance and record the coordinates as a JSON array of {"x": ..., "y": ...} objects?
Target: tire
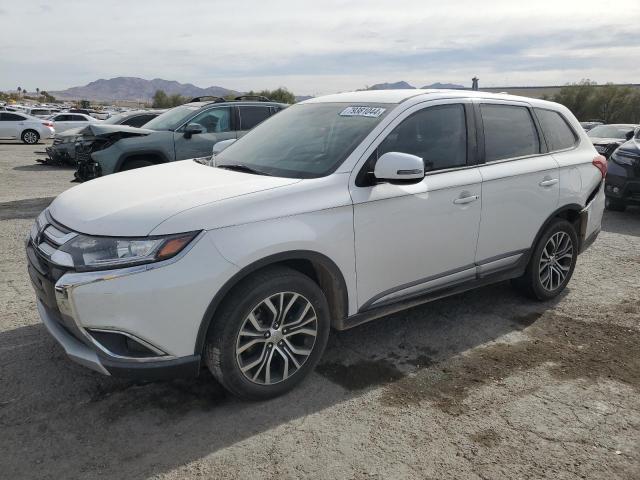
[
  {"x": 30, "y": 137},
  {"x": 226, "y": 352},
  {"x": 614, "y": 205},
  {"x": 543, "y": 278},
  {"x": 138, "y": 163}
]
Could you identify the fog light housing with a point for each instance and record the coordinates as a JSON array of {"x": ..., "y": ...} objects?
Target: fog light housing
[{"x": 123, "y": 345}]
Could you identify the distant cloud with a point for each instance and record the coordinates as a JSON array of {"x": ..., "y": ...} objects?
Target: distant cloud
[{"x": 321, "y": 47}]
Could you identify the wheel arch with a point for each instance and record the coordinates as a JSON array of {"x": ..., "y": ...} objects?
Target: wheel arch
[
  {"x": 147, "y": 154},
  {"x": 315, "y": 265},
  {"x": 569, "y": 212}
]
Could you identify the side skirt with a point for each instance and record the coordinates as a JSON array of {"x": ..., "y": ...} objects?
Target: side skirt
[{"x": 419, "y": 298}]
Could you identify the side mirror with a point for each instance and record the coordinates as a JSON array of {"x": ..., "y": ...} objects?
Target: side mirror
[
  {"x": 193, "y": 129},
  {"x": 396, "y": 166},
  {"x": 220, "y": 146}
]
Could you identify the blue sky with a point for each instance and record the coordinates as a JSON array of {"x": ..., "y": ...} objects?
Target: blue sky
[{"x": 318, "y": 47}]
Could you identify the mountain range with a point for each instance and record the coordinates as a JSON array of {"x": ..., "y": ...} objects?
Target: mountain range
[
  {"x": 404, "y": 85},
  {"x": 138, "y": 89}
]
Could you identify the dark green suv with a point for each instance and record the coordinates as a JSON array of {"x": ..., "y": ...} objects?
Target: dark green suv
[{"x": 187, "y": 131}]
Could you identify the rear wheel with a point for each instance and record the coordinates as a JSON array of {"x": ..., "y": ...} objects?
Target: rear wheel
[
  {"x": 137, "y": 163},
  {"x": 269, "y": 334},
  {"x": 614, "y": 205},
  {"x": 552, "y": 262},
  {"x": 30, "y": 137}
]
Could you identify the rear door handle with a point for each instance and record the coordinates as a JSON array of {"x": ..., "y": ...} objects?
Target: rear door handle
[
  {"x": 467, "y": 199},
  {"x": 547, "y": 182}
]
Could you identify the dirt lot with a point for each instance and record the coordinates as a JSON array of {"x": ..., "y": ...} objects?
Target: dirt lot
[{"x": 481, "y": 385}]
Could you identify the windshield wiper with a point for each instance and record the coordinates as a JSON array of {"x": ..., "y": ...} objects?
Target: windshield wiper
[{"x": 237, "y": 167}]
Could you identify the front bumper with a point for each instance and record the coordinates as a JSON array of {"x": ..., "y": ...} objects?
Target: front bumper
[
  {"x": 154, "y": 311},
  {"x": 622, "y": 186},
  {"x": 184, "y": 367},
  {"x": 61, "y": 153}
]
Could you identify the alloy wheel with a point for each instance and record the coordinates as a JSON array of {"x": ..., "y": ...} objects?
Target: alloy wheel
[
  {"x": 555, "y": 261},
  {"x": 30, "y": 137},
  {"x": 276, "y": 338}
]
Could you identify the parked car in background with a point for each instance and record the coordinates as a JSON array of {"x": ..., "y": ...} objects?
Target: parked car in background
[
  {"x": 39, "y": 112},
  {"x": 622, "y": 186},
  {"x": 187, "y": 131},
  {"x": 90, "y": 112},
  {"x": 606, "y": 138},
  {"x": 63, "y": 149},
  {"x": 25, "y": 127},
  {"x": 589, "y": 125},
  {"x": 337, "y": 211},
  {"x": 66, "y": 121}
]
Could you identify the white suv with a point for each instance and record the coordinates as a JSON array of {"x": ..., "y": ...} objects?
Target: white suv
[{"x": 334, "y": 212}]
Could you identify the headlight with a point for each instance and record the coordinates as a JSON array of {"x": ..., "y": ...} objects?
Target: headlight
[
  {"x": 99, "y": 253},
  {"x": 71, "y": 138}
]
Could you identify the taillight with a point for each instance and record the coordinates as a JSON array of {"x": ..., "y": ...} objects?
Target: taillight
[
  {"x": 601, "y": 164},
  {"x": 47, "y": 124}
]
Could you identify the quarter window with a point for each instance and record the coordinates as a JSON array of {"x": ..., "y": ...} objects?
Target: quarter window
[
  {"x": 215, "y": 120},
  {"x": 437, "y": 134},
  {"x": 556, "y": 130},
  {"x": 252, "y": 116},
  {"x": 509, "y": 132}
]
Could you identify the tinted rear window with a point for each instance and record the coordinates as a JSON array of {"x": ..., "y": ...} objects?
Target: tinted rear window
[
  {"x": 556, "y": 130},
  {"x": 509, "y": 132},
  {"x": 252, "y": 116}
]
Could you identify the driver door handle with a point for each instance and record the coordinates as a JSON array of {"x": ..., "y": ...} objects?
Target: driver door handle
[
  {"x": 547, "y": 182},
  {"x": 466, "y": 199}
]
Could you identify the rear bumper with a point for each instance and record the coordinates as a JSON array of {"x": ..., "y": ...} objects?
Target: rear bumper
[{"x": 82, "y": 354}]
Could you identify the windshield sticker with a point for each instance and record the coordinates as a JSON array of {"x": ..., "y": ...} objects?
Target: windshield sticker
[{"x": 362, "y": 112}]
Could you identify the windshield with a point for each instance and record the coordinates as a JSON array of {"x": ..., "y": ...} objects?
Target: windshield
[
  {"x": 610, "y": 131},
  {"x": 171, "y": 119},
  {"x": 305, "y": 140}
]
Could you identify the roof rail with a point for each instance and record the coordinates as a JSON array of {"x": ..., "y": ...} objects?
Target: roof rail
[
  {"x": 257, "y": 98},
  {"x": 207, "y": 98}
]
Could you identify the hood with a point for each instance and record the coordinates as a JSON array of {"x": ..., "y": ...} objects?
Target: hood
[
  {"x": 99, "y": 129},
  {"x": 133, "y": 203},
  {"x": 606, "y": 141},
  {"x": 632, "y": 146}
]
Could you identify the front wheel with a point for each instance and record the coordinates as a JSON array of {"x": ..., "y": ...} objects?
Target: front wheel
[
  {"x": 552, "y": 262},
  {"x": 269, "y": 334},
  {"x": 30, "y": 137}
]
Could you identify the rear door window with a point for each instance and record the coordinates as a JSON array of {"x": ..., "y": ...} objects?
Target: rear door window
[
  {"x": 250, "y": 116},
  {"x": 556, "y": 130},
  {"x": 509, "y": 132}
]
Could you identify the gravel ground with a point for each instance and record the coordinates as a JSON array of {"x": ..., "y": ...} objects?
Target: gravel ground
[{"x": 483, "y": 385}]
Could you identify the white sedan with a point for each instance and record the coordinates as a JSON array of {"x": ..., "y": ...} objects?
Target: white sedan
[
  {"x": 25, "y": 127},
  {"x": 66, "y": 121}
]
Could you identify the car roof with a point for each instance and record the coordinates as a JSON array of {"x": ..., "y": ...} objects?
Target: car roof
[
  {"x": 399, "y": 96},
  {"x": 235, "y": 102}
]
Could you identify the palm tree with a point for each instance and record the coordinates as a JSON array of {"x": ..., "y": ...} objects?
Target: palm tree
[
  {"x": 38, "y": 93},
  {"x": 19, "y": 90}
]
